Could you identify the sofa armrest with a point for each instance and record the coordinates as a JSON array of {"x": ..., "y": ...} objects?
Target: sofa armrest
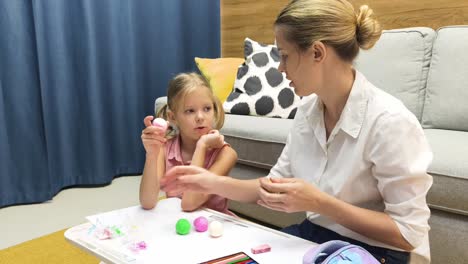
[{"x": 159, "y": 102}]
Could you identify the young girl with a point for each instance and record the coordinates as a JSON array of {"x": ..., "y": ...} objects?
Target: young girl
[{"x": 194, "y": 115}]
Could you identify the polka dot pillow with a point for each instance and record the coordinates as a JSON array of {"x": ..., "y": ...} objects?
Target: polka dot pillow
[{"x": 260, "y": 89}]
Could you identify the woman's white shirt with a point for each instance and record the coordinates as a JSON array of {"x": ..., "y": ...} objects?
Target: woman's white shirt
[{"x": 376, "y": 157}]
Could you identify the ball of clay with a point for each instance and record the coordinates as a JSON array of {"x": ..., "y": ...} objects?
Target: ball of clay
[
  {"x": 215, "y": 229},
  {"x": 201, "y": 224},
  {"x": 183, "y": 226},
  {"x": 159, "y": 122}
]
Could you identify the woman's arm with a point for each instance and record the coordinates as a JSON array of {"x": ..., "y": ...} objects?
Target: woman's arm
[
  {"x": 294, "y": 195},
  {"x": 225, "y": 161},
  {"x": 152, "y": 174},
  {"x": 196, "y": 179},
  {"x": 375, "y": 225}
]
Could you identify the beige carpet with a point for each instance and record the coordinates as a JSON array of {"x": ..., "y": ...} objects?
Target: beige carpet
[{"x": 51, "y": 248}]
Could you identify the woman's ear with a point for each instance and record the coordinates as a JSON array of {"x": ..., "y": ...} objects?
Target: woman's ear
[{"x": 319, "y": 51}]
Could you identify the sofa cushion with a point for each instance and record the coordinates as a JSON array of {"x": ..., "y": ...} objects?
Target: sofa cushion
[
  {"x": 399, "y": 63},
  {"x": 257, "y": 140},
  {"x": 449, "y": 169},
  {"x": 447, "y": 85}
]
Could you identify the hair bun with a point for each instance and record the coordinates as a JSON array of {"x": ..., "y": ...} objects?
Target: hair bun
[{"x": 368, "y": 30}]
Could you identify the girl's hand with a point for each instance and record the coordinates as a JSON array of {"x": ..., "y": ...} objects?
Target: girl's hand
[
  {"x": 212, "y": 140},
  {"x": 290, "y": 195},
  {"x": 152, "y": 136}
]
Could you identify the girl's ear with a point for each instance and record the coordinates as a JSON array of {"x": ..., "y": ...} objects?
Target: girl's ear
[{"x": 171, "y": 117}]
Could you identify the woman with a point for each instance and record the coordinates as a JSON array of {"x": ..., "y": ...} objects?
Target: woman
[{"x": 362, "y": 176}]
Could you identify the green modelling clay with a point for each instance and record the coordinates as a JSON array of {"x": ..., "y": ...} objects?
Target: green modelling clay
[{"x": 183, "y": 226}]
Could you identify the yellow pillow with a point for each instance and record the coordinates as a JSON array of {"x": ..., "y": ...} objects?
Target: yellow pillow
[{"x": 220, "y": 73}]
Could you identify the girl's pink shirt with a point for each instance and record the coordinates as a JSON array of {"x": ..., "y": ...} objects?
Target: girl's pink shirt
[{"x": 174, "y": 158}]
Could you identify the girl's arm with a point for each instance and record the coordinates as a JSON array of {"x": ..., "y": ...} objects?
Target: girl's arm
[
  {"x": 225, "y": 161},
  {"x": 152, "y": 174},
  {"x": 154, "y": 141}
]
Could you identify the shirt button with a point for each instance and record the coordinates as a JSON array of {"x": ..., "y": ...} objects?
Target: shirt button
[{"x": 382, "y": 260}]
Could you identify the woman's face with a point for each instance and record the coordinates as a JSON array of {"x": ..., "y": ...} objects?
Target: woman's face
[{"x": 301, "y": 67}]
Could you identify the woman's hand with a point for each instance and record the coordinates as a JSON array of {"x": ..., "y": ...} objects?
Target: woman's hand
[
  {"x": 289, "y": 195},
  {"x": 211, "y": 140},
  {"x": 152, "y": 136},
  {"x": 189, "y": 178}
]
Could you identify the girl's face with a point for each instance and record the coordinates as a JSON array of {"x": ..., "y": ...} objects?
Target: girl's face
[
  {"x": 196, "y": 116},
  {"x": 301, "y": 68}
]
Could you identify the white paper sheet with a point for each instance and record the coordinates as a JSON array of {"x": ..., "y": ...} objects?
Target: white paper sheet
[{"x": 156, "y": 228}]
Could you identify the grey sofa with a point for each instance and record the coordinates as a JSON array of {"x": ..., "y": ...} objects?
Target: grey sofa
[{"x": 428, "y": 71}]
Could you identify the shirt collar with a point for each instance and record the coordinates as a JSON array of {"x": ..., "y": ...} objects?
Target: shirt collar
[
  {"x": 352, "y": 116},
  {"x": 355, "y": 108},
  {"x": 313, "y": 109}
]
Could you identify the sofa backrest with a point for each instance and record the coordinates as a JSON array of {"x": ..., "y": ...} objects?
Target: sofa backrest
[
  {"x": 399, "y": 64},
  {"x": 446, "y": 104}
]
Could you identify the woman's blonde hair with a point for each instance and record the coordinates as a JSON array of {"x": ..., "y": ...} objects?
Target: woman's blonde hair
[
  {"x": 333, "y": 22},
  {"x": 182, "y": 85}
]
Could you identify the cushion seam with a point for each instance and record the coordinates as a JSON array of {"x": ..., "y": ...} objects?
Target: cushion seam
[{"x": 251, "y": 138}]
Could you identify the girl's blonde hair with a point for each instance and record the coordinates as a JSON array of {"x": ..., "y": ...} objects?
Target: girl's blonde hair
[
  {"x": 182, "y": 85},
  {"x": 333, "y": 22}
]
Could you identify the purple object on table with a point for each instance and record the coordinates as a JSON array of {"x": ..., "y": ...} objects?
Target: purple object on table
[
  {"x": 201, "y": 224},
  {"x": 337, "y": 251}
]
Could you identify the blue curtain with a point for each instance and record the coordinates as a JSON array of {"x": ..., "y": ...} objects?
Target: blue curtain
[{"x": 77, "y": 79}]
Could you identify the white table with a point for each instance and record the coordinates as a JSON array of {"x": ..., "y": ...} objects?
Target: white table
[{"x": 157, "y": 229}]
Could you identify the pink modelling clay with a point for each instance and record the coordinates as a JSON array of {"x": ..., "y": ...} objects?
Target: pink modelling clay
[
  {"x": 159, "y": 122},
  {"x": 261, "y": 249},
  {"x": 201, "y": 224}
]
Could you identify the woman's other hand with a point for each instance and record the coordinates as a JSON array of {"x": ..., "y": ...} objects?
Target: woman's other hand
[
  {"x": 289, "y": 195},
  {"x": 152, "y": 136}
]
